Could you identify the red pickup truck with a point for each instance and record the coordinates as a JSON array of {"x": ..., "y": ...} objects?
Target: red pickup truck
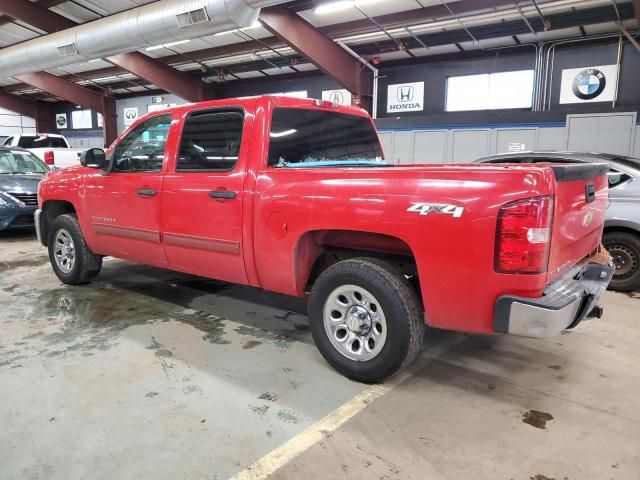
[{"x": 293, "y": 196}]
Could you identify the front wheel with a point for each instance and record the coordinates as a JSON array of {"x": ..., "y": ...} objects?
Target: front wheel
[
  {"x": 366, "y": 319},
  {"x": 72, "y": 260},
  {"x": 624, "y": 248}
]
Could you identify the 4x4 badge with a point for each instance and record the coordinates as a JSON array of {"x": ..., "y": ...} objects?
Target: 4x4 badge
[{"x": 426, "y": 208}]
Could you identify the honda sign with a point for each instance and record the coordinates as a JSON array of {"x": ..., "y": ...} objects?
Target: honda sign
[{"x": 405, "y": 97}]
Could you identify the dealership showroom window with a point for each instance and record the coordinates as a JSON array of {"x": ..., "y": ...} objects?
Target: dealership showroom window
[{"x": 292, "y": 239}]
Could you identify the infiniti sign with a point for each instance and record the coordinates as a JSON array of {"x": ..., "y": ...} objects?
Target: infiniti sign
[{"x": 405, "y": 97}]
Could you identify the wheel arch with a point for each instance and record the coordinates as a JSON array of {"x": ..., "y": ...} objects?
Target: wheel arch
[
  {"x": 626, "y": 227},
  {"x": 316, "y": 250},
  {"x": 50, "y": 210}
]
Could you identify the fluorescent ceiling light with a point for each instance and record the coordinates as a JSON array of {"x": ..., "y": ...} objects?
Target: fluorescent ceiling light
[
  {"x": 333, "y": 7},
  {"x": 166, "y": 45},
  {"x": 255, "y": 24},
  {"x": 95, "y": 60}
]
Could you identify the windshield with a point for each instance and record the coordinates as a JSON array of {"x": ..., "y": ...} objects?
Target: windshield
[
  {"x": 318, "y": 138},
  {"x": 16, "y": 161},
  {"x": 42, "y": 141}
]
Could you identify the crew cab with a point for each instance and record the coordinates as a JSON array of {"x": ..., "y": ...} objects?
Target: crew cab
[
  {"x": 52, "y": 149},
  {"x": 294, "y": 196}
]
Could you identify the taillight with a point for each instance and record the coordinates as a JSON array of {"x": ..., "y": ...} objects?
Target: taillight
[
  {"x": 49, "y": 158},
  {"x": 523, "y": 236}
]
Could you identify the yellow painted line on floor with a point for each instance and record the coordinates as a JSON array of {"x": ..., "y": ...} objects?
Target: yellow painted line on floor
[{"x": 313, "y": 434}]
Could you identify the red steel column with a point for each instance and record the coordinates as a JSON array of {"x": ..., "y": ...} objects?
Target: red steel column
[{"x": 109, "y": 120}]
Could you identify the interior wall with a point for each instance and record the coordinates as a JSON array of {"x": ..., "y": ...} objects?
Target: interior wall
[
  {"x": 12, "y": 123},
  {"x": 616, "y": 133}
]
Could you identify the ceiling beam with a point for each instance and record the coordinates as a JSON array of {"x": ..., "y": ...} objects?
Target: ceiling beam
[
  {"x": 78, "y": 95},
  {"x": 35, "y": 15},
  {"x": 320, "y": 50},
  {"x": 169, "y": 79},
  {"x": 64, "y": 89},
  {"x": 4, "y": 19},
  {"x": 179, "y": 83}
]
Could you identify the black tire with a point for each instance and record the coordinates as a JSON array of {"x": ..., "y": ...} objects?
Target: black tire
[
  {"x": 625, "y": 250},
  {"x": 405, "y": 328},
  {"x": 85, "y": 264}
]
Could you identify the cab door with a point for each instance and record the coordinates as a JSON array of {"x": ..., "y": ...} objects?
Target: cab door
[
  {"x": 202, "y": 198},
  {"x": 123, "y": 205}
]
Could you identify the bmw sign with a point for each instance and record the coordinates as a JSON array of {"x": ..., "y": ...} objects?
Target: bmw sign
[
  {"x": 405, "y": 97},
  {"x": 588, "y": 84}
]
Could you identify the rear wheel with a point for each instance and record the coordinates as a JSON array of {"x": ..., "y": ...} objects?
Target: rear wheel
[
  {"x": 72, "y": 260},
  {"x": 624, "y": 247},
  {"x": 366, "y": 319}
]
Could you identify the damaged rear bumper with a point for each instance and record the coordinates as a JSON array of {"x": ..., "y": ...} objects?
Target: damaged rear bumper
[{"x": 565, "y": 303}]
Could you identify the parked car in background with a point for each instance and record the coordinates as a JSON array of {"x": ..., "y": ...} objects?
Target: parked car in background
[
  {"x": 20, "y": 174},
  {"x": 622, "y": 221},
  {"x": 53, "y": 149}
]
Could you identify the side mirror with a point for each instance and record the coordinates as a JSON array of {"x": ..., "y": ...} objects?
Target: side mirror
[{"x": 93, "y": 158}]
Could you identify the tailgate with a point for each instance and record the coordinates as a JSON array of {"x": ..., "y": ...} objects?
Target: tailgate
[{"x": 580, "y": 203}]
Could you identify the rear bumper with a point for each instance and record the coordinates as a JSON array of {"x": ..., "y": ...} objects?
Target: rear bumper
[{"x": 565, "y": 303}]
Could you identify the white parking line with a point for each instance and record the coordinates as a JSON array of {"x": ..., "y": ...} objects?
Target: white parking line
[{"x": 293, "y": 447}]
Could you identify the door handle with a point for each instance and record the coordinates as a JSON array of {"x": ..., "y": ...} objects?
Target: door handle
[
  {"x": 222, "y": 194},
  {"x": 146, "y": 192}
]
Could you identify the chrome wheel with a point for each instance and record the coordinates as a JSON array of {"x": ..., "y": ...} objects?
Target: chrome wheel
[
  {"x": 355, "y": 323},
  {"x": 64, "y": 251},
  {"x": 624, "y": 260}
]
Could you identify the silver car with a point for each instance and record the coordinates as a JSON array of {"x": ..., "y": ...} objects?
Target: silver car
[{"x": 622, "y": 222}]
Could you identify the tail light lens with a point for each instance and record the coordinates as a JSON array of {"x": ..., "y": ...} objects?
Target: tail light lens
[
  {"x": 523, "y": 236},
  {"x": 49, "y": 158}
]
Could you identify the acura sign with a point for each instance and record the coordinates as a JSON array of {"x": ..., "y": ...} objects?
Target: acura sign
[
  {"x": 339, "y": 97},
  {"x": 405, "y": 97}
]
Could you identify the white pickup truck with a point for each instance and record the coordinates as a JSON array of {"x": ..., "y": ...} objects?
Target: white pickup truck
[{"x": 53, "y": 149}]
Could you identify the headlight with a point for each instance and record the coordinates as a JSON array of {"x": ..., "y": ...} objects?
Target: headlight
[{"x": 3, "y": 202}]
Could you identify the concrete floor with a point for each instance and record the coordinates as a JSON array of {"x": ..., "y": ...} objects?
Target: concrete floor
[{"x": 152, "y": 374}]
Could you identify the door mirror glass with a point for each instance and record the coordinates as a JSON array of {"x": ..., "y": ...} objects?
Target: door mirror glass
[{"x": 93, "y": 158}]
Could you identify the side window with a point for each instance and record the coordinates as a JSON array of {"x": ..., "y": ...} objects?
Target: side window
[
  {"x": 616, "y": 178},
  {"x": 142, "y": 150},
  {"x": 8, "y": 141},
  {"x": 210, "y": 141}
]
